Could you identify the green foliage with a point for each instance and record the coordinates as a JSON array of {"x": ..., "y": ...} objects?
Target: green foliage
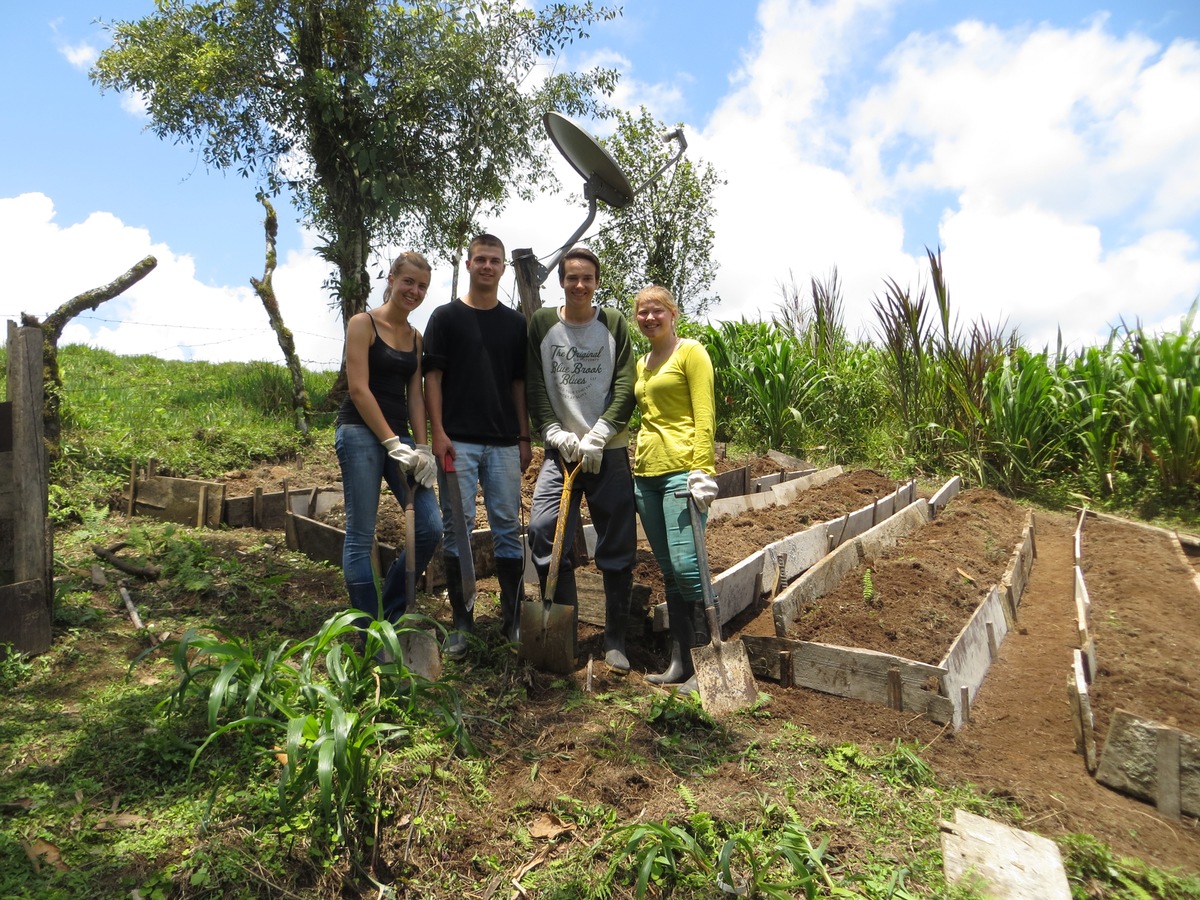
[
  {"x": 1025, "y": 431},
  {"x": 1163, "y": 401},
  {"x": 780, "y": 390},
  {"x": 666, "y": 237},
  {"x": 315, "y": 703},
  {"x": 15, "y": 667},
  {"x": 409, "y": 120},
  {"x": 197, "y": 419},
  {"x": 1095, "y": 871}
]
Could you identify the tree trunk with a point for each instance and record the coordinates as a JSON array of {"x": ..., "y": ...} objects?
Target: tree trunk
[
  {"x": 266, "y": 293},
  {"x": 52, "y": 330}
]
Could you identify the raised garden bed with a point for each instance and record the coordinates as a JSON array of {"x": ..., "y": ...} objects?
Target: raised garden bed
[
  {"x": 910, "y": 614},
  {"x": 1132, "y": 684}
]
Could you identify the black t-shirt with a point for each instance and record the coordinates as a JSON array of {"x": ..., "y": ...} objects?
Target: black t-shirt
[{"x": 480, "y": 353}]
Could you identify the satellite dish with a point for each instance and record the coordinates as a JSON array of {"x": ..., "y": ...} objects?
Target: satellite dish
[
  {"x": 602, "y": 180},
  {"x": 599, "y": 170}
]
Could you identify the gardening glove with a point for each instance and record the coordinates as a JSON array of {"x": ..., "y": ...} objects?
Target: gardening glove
[
  {"x": 405, "y": 456},
  {"x": 591, "y": 446},
  {"x": 703, "y": 488},
  {"x": 563, "y": 441},
  {"x": 425, "y": 471}
]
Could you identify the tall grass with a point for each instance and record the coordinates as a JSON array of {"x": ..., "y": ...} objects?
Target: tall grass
[
  {"x": 1162, "y": 401},
  {"x": 197, "y": 419}
]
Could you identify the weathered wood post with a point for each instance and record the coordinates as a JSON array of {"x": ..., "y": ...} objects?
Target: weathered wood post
[
  {"x": 26, "y": 539},
  {"x": 529, "y": 286}
]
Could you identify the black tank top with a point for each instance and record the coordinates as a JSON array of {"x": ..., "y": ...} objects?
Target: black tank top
[{"x": 388, "y": 373}]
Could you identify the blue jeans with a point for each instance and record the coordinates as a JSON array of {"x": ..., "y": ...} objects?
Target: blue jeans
[
  {"x": 498, "y": 471},
  {"x": 365, "y": 464},
  {"x": 667, "y": 523}
]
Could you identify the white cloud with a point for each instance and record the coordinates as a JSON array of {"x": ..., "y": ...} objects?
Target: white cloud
[
  {"x": 169, "y": 313},
  {"x": 81, "y": 55},
  {"x": 1064, "y": 160}
]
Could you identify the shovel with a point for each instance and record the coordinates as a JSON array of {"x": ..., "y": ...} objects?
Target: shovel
[
  {"x": 723, "y": 672},
  {"x": 547, "y": 628},
  {"x": 418, "y": 648}
]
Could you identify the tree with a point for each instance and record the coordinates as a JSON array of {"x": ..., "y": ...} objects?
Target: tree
[
  {"x": 265, "y": 288},
  {"x": 397, "y": 123},
  {"x": 52, "y": 330},
  {"x": 665, "y": 236}
]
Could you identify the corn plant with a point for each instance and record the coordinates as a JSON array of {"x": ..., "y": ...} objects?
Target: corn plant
[
  {"x": 317, "y": 704},
  {"x": 1024, "y": 428},
  {"x": 782, "y": 391},
  {"x": 1094, "y": 388},
  {"x": 1163, "y": 401},
  {"x": 780, "y": 864}
]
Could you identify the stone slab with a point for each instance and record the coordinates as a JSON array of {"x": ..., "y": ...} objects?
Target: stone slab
[
  {"x": 1004, "y": 863},
  {"x": 1130, "y": 762}
]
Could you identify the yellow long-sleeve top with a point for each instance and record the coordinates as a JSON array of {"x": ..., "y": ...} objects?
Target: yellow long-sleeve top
[{"x": 678, "y": 409}]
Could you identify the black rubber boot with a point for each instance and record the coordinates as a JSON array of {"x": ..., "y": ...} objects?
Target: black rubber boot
[
  {"x": 700, "y": 637},
  {"x": 617, "y": 588},
  {"x": 511, "y": 575},
  {"x": 455, "y": 646},
  {"x": 680, "y": 668}
]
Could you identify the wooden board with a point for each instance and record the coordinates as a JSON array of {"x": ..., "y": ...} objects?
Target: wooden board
[
  {"x": 787, "y": 491},
  {"x": 25, "y": 617},
  {"x": 592, "y": 605},
  {"x": 972, "y": 653},
  {"x": 737, "y": 588},
  {"x": 1132, "y": 762},
  {"x": 1003, "y": 863},
  {"x": 845, "y": 672},
  {"x": 788, "y": 462},
  {"x": 733, "y": 483},
  {"x": 178, "y": 500},
  {"x": 945, "y": 494},
  {"x": 802, "y": 550},
  {"x": 324, "y": 543},
  {"x": 1081, "y": 713},
  {"x": 239, "y": 511}
]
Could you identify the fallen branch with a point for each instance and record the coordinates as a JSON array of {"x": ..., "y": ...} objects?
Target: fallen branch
[{"x": 149, "y": 572}]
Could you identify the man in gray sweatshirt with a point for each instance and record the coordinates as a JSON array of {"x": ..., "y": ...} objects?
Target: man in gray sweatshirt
[{"x": 579, "y": 392}]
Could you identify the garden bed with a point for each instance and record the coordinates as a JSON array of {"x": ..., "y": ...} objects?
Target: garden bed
[{"x": 1133, "y": 689}]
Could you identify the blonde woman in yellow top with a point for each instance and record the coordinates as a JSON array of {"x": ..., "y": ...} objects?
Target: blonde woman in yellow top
[{"x": 674, "y": 453}]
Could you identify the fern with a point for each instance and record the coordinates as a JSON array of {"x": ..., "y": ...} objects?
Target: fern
[{"x": 688, "y": 797}]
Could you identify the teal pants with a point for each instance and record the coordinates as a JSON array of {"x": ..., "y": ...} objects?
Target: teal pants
[{"x": 668, "y": 526}]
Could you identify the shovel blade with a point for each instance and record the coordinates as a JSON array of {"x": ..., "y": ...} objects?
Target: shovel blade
[
  {"x": 421, "y": 654},
  {"x": 724, "y": 677},
  {"x": 548, "y": 635}
]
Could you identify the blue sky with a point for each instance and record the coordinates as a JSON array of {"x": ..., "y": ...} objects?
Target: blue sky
[{"x": 1050, "y": 150}]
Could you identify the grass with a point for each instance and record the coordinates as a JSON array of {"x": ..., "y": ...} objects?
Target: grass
[{"x": 132, "y": 764}]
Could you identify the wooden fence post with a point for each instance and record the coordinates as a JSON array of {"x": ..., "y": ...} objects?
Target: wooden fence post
[{"x": 27, "y": 603}]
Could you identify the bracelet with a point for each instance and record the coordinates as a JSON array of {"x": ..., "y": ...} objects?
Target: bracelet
[{"x": 523, "y": 440}]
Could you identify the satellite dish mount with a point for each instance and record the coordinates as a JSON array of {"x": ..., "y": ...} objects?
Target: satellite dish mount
[{"x": 602, "y": 180}]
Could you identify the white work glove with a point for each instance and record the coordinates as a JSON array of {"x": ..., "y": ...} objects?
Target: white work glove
[
  {"x": 562, "y": 441},
  {"x": 703, "y": 488},
  {"x": 591, "y": 446},
  {"x": 405, "y": 456},
  {"x": 425, "y": 471}
]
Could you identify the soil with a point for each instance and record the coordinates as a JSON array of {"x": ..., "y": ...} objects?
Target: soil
[
  {"x": 1146, "y": 653},
  {"x": 1019, "y": 742},
  {"x": 923, "y": 591}
]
